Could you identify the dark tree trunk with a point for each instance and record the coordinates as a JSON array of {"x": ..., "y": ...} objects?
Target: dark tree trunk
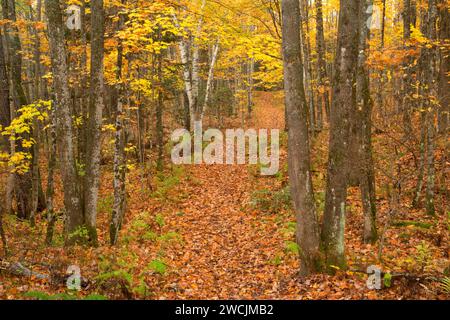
[
  {"x": 118, "y": 211},
  {"x": 407, "y": 105},
  {"x": 430, "y": 62},
  {"x": 366, "y": 174},
  {"x": 444, "y": 78},
  {"x": 51, "y": 216},
  {"x": 23, "y": 181},
  {"x": 344, "y": 102},
  {"x": 96, "y": 106},
  {"x": 5, "y": 111},
  {"x": 324, "y": 99},
  {"x": 159, "y": 116},
  {"x": 72, "y": 203}
]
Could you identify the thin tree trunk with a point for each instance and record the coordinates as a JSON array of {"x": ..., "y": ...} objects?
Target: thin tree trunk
[
  {"x": 431, "y": 76},
  {"x": 5, "y": 112},
  {"x": 215, "y": 52},
  {"x": 306, "y": 48},
  {"x": 366, "y": 177},
  {"x": 51, "y": 216},
  {"x": 5, "y": 121},
  {"x": 408, "y": 19},
  {"x": 120, "y": 169},
  {"x": 23, "y": 181},
  {"x": 380, "y": 98},
  {"x": 444, "y": 74},
  {"x": 322, "y": 65},
  {"x": 431, "y": 170},
  {"x": 2, "y": 233},
  {"x": 299, "y": 152},
  {"x": 419, "y": 184},
  {"x": 159, "y": 111}
]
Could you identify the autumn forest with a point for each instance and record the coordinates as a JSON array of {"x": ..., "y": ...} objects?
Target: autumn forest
[{"x": 224, "y": 149}]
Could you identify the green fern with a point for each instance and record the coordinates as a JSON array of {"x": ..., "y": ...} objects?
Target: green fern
[
  {"x": 158, "y": 266},
  {"x": 445, "y": 285}
]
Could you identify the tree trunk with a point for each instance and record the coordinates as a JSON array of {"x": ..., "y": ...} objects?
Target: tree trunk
[
  {"x": 120, "y": 169},
  {"x": 51, "y": 216},
  {"x": 299, "y": 154},
  {"x": 96, "y": 106},
  {"x": 5, "y": 121},
  {"x": 444, "y": 78},
  {"x": 5, "y": 112},
  {"x": 23, "y": 181},
  {"x": 431, "y": 76},
  {"x": 214, "y": 55},
  {"x": 72, "y": 204},
  {"x": 159, "y": 112},
  {"x": 344, "y": 102},
  {"x": 366, "y": 178},
  {"x": 323, "y": 81},
  {"x": 306, "y": 48},
  {"x": 419, "y": 184},
  {"x": 408, "y": 20}
]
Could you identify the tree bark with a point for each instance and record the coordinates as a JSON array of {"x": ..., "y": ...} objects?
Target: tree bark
[
  {"x": 214, "y": 55},
  {"x": 72, "y": 203},
  {"x": 96, "y": 106},
  {"x": 431, "y": 76},
  {"x": 344, "y": 102},
  {"x": 407, "y": 103},
  {"x": 299, "y": 152},
  {"x": 5, "y": 112},
  {"x": 444, "y": 78},
  {"x": 307, "y": 69},
  {"x": 23, "y": 181},
  {"x": 366, "y": 177},
  {"x": 322, "y": 66},
  {"x": 118, "y": 211},
  {"x": 51, "y": 216}
]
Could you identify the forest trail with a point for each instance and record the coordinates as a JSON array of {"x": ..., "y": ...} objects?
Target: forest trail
[{"x": 227, "y": 249}]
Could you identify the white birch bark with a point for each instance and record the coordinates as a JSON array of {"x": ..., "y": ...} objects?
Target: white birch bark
[{"x": 215, "y": 53}]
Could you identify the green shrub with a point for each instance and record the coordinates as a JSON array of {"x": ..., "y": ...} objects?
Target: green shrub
[
  {"x": 292, "y": 247},
  {"x": 158, "y": 266},
  {"x": 271, "y": 201}
]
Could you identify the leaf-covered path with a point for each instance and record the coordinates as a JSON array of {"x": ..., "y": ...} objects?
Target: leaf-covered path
[{"x": 227, "y": 246}]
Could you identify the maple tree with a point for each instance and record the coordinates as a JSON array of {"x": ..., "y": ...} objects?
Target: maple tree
[{"x": 91, "y": 90}]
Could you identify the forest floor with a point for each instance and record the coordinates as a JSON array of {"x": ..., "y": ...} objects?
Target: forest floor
[{"x": 225, "y": 232}]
